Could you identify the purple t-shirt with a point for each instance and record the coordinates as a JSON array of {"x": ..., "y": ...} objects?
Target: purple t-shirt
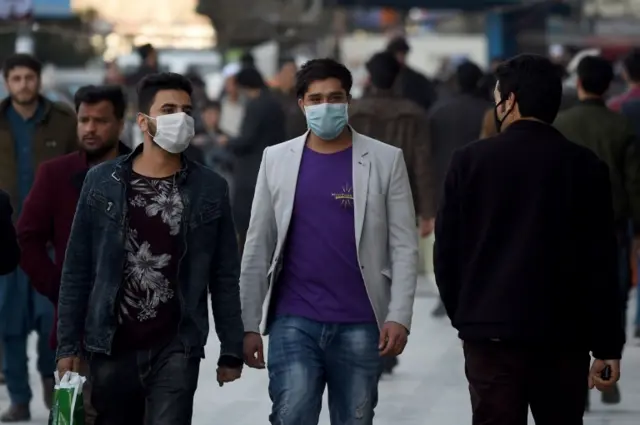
[{"x": 321, "y": 278}]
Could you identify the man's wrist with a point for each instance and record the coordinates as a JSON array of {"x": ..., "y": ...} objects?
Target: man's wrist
[{"x": 230, "y": 361}]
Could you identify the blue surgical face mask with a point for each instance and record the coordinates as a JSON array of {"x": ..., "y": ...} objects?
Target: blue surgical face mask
[{"x": 327, "y": 120}]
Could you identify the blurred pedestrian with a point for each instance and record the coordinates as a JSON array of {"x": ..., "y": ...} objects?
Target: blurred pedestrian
[
  {"x": 232, "y": 105},
  {"x": 411, "y": 84},
  {"x": 388, "y": 117},
  {"x": 207, "y": 140},
  {"x": 135, "y": 306},
  {"x": 113, "y": 76},
  {"x": 149, "y": 58},
  {"x": 32, "y": 130},
  {"x": 526, "y": 259},
  {"x": 454, "y": 123},
  {"x": 48, "y": 211},
  {"x": 347, "y": 274},
  {"x": 612, "y": 137},
  {"x": 264, "y": 124},
  {"x": 9, "y": 249},
  {"x": 631, "y": 75},
  {"x": 285, "y": 91}
]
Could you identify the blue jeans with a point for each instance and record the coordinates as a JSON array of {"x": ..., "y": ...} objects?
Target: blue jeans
[
  {"x": 15, "y": 362},
  {"x": 305, "y": 356}
]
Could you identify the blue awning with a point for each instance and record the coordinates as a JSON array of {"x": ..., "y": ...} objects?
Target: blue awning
[{"x": 52, "y": 8}]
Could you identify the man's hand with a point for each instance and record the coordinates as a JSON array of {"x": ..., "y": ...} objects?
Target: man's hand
[
  {"x": 222, "y": 140},
  {"x": 596, "y": 369},
  {"x": 253, "y": 350},
  {"x": 393, "y": 339},
  {"x": 227, "y": 374},
  {"x": 426, "y": 226},
  {"x": 68, "y": 364}
]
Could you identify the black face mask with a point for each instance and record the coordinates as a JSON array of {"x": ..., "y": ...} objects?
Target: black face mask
[{"x": 495, "y": 116}]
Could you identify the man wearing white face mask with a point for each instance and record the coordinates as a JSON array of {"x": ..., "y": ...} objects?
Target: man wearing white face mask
[
  {"x": 152, "y": 235},
  {"x": 332, "y": 245}
]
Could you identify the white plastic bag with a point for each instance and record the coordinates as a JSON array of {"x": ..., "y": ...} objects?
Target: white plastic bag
[{"x": 68, "y": 406}]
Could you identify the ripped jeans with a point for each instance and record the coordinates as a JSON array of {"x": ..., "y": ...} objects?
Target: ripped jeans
[{"x": 305, "y": 356}]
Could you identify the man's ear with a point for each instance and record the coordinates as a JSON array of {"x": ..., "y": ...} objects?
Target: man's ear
[
  {"x": 301, "y": 105},
  {"x": 143, "y": 123}
]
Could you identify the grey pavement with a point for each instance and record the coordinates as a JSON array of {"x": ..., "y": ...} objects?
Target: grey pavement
[{"x": 428, "y": 387}]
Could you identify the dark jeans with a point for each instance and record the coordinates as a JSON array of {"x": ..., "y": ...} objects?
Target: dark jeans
[
  {"x": 151, "y": 387},
  {"x": 305, "y": 356},
  {"x": 506, "y": 380}
]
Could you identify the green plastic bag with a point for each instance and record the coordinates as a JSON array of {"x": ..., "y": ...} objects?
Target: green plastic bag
[{"x": 68, "y": 403}]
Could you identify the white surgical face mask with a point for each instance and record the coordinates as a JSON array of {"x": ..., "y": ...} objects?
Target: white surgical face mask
[{"x": 173, "y": 131}]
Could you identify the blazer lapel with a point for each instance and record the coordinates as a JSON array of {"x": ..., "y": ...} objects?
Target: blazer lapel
[
  {"x": 290, "y": 169},
  {"x": 360, "y": 182}
]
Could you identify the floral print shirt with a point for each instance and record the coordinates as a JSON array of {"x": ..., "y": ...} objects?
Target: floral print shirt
[{"x": 148, "y": 308}]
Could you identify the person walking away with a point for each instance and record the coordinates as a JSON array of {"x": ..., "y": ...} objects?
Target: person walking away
[
  {"x": 611, "y": 136},
  {"x": 285, "y": 92},
  {"x": 48, "y": 211},
  {"x": 454, "y": 123},
  {"x": 411, "y": 84},
  {"x": 264, "y": 125},
  {"x": 526, "y": 214},
  {"x": 151, "y": 238},
  {"x": 150, "y": 65},
  {"x": 33, "y": 129},
  {"x": 631, "y": 75},
  {"x": 9, "y": 248},
  {"x": 333, "y": 229},
  {"x": 388, "y": 117},
  {"x": 232, "y": 105}
]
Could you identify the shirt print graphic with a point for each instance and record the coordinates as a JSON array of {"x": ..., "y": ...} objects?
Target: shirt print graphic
[
  {"x": 145, "y": 284},
  {"x": 344, "y": 196}
]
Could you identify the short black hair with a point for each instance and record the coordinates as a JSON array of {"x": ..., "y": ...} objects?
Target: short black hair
[
  {"x": 150, "y": 85},
  {"x": 322, "y": 69},
  {"x": 250, "y": 78},
  {"x": 211, "y": 104},
  {"x": 383, "y": 69},
  {"x": 468, "y": 76},
  {"x": 145, "y": 50},
  {"x": 398, "y": 45},
  {"x": 95, "y": 94},
  {"x": 21, "y": 60},
  {"x": 595, "y": 74},
  {"x": 631, "y": 64},
  {"x": 535, "y": 83},
  {"x": 247, "y": 60}
]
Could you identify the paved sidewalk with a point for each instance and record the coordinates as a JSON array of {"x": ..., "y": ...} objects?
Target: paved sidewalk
[{"x": 428, "y": 388}]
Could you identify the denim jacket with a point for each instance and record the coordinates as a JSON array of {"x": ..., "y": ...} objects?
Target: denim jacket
[{"x": 92, "y": 275}]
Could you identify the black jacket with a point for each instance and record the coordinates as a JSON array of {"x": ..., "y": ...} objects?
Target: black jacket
[
  {"x": 526, "y": 243},
  {"x": 9, "y": 249},
  {"x": 414, "y": 86}
]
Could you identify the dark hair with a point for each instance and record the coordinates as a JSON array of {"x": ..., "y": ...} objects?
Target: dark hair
[
  {"x": 21, "y": 59},
  {"x": 398, "y": 45},
  {"x": 211, "y": 104},
  {"x": 145, "y": 50},
  {"x": 383, "y": 69},
  {"x": 322, "y": 69},
  {"x": 595, "y": 74},
  {"x": 535, "y": 83},
  {"x": 91, "y": 95},
  {"x": 631, "y": 64},
  {"x": 468, "y": 76},
  {"x": 247, "y": 60},
  {"x": 250, "y": 78},
  {"x": 150, "y": 85}
]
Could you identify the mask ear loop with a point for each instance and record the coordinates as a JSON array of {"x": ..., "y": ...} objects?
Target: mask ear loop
[{"x": 151, "y": 118}]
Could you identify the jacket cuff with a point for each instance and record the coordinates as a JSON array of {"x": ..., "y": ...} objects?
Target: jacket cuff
[
  {"x": 399, "y": 318},
  {"x": 67, "y": 351},
  {"x": 230, "y": 361}
]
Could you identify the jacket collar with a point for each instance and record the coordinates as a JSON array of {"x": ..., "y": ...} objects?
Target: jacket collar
[
  {"x": 124, "y": 166},
  {"x": 594, "y": 101},
  {"x": 47, "y": 106}
]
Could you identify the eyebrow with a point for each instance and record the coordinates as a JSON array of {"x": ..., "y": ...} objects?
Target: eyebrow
[
  {"x": 173, "y": 105},
  {"x": 328, "y": 94}
]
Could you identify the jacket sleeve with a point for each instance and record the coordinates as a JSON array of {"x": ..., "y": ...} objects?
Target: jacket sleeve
[
  {"x": 258, "y": 250},
  {"x": 599, "y": 253},
  {"x": 9, "y": 249},
  {"x": 422, "y": 171},
  {"x": 35, "y": 232},
  {"x": 224, "y": 286},
  {"x": 403, "y": 245},
  {"x": 447, "y": 233},
  {"x": 77, "y": 276}
]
